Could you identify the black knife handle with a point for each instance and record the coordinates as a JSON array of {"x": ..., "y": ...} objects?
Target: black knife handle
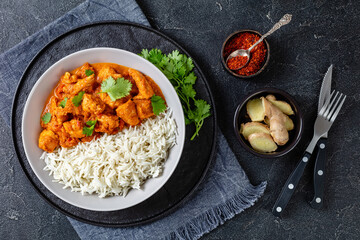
[
  {"x": 290, "y": 185},
  {"x": 319, "y": 175}
]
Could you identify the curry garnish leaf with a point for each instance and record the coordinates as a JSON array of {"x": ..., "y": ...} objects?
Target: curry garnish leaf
[
  {"x": 178, "y": 68},
  {"x": 89, "y": 72},
  {"x": 91, "y": 122},
  {"x": 116, "y": 89},
  {"x": 158, "y": 104},
  {"x": 46, "y": 118},
  {"x": 63, "y": 102},
  {"x": 77, "y": 99},
  {"x": 88, "y": 131}
]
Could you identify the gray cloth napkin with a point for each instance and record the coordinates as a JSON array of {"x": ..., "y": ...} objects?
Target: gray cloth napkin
[{"x": 224, "y": 192}]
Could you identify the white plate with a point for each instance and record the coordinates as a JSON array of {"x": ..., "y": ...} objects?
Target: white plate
[{"x": 31, "y": 127}]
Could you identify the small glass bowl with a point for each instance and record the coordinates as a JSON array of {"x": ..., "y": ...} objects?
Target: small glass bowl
[
  {"x": 294, "y": 135},
  {"x": 264, "y": 64}
]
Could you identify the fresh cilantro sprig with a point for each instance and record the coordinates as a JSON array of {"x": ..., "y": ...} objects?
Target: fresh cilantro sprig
[
  {"x": 178, "y": 68},
  {"x": 46, "y": 118},
  {"x": 89, "y": 72},
  {"x": 88, "y": 131},
  {"x": 63, "y": 102},
  {"x": 77, "y": 99},
  {"x": 158, "y": 104},
  {"x": 116, "y": 89}
]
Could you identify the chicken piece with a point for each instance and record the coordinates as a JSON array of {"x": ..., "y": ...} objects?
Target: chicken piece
[
  {"x": 60, "y": 114},
  {"x": 113, "y": 104},
  {"x": 65, "y": 85},
  {"x": 86, "y": 116},
  {"x": 155, "y": 87},
  {"x": 107, "y": 124},
  {"x": 127, "y": 112},
  {"x": 80, "y": 72},
  {"x": 53, "y": 105},
  {"x": 85, "y": 84},
  {"x": 67, "y": 78},
  {"x": 69, "y": 109},
  {"x": 70, "y": 85},
  {"x": 92, "y": 104},
  {"x": 107, "y": 100},
  {"x": 106, "y": 72},
  {"x": 134, "y": 89},
  {"x": 74, "y": 128},
  {"x": 53, "y": 125},
  {"x": 145, "y": 89},
  {"x": 65, "y": 140},
  {"x": 63, "y": 89},
  {"x": 144, "y": 108},
  {"x": 48, "y": 140},
  {"x": 72, "y": 109}
]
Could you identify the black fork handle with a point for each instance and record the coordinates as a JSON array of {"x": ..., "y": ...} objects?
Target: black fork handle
[{"x": 319, "y": 175}]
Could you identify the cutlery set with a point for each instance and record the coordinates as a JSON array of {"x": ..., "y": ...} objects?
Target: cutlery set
[{"x": 328, "y": 108}]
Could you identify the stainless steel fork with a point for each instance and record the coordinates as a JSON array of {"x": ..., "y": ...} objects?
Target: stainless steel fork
[{"x": 324, "y": 120}]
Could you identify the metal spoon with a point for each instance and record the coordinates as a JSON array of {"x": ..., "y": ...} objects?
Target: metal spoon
[{"x": 246, "y": 52}]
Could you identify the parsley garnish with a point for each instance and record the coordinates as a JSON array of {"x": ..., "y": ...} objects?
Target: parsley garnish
[
  {"x": 178, "y": 68},
  {"x": 46, "y": 118},
  {"x": 88, "y": 131},
  {"x": 89, "y": 72},
  {"x": 116, "y": 89},
  {"x": 77, "y": 99},
  {"x": 158, "y": 104},
  {"x": 63, "y": 102}
]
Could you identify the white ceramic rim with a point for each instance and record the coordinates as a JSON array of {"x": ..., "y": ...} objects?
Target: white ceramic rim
[{"x": 94, "y": 55}]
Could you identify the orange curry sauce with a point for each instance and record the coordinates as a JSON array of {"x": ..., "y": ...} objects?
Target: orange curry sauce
[{"x": 66, "y": 125}]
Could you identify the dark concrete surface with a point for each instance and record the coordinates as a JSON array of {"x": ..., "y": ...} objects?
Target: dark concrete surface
[{"x": 322, "y": 32}]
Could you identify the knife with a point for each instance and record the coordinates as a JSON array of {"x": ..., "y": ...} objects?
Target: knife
[{"x": 320, "y": 163}]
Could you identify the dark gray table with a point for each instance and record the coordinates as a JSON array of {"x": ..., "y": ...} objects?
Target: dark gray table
[{"x": 322, "y": 32}]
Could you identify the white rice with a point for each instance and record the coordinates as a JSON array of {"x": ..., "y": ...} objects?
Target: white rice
[{"x": 114, "y": 164}]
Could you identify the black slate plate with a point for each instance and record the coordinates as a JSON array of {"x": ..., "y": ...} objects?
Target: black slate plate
[{"x": 196, "y": 156}]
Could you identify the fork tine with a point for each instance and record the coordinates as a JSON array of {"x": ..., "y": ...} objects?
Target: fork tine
[
  {"x": 337, "y": 110},
  {"x": 334, "y": 107},
  {"x": 322, "y": 110},
  {"x": 330, "y": 105}
]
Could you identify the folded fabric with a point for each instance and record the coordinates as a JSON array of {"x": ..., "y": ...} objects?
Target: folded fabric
[{"x": 224, "y": 192}]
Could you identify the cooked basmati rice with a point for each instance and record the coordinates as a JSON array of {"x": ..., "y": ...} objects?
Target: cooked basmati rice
[{"x": 114, "y": 164}]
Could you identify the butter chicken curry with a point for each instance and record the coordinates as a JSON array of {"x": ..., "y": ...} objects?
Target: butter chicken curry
[{"x": 94, "y": 99}]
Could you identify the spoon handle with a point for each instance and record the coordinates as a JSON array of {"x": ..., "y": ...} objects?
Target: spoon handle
[{"x": 283, "y": 21}]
